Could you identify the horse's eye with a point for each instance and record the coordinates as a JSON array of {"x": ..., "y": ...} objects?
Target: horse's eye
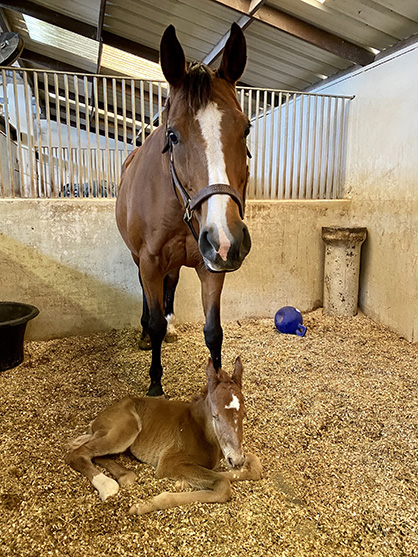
[
  {"x": 172, "y": 137},
  {"x": 215, "y": 416},
  {"x": 247, "y": 131}
]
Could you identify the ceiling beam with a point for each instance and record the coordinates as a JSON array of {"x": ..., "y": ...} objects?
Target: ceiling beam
[
  {"x": 49, "y": 63},
  {"x": 99, "y": 32},
  {"x": 301, "y": 30},
  {"x": 74, "y": 25}
]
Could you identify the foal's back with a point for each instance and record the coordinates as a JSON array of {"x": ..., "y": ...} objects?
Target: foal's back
[{"x": 160, "y": 427}]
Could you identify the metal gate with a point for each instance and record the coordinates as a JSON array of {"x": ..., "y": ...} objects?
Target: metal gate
[{"x": 67, "y": 135}]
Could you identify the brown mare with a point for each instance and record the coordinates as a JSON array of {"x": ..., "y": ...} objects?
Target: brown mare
[
  {"x": 181, "y": 197},
  {"x": 183, "y": 440}
]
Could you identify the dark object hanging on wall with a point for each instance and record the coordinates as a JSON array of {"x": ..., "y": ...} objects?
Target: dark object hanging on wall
[
  {"x": 13, "y": 320},
  {"x": 11, "y": 47}
]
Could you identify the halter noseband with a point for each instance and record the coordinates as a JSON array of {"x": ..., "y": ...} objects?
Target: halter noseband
[{"x": 192, "y": 203}]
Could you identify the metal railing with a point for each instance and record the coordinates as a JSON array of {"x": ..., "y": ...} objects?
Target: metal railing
[{"x": 67, "y": 135}]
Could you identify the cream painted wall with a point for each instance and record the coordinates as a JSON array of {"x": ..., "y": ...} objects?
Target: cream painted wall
[
  {"x": 381, "y": 179},
  {"x": 66, "y": 257}
]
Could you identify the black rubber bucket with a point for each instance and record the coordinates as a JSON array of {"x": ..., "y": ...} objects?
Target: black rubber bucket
[{"x": 13, "y": 320}]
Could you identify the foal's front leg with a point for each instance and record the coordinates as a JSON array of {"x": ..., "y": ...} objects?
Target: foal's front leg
[{"x": 211, "y": 286}]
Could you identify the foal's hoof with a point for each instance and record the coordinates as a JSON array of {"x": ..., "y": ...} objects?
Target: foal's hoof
[
  {"x": 155, "y": 389},
  {"x": 128, "y": 478},
  {"x": 144, "y": 343},
  {"x": 170, "y": 337}
]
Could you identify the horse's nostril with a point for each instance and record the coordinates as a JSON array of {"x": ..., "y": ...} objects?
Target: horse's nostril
[
  {"x": 230, "y": 462},
  {"x": 207, "y": 244}
]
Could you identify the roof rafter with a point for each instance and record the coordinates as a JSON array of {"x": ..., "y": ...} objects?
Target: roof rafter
[
  {"x": 90, "y": 31},
  {"x": 301, "y": 30},
  {"x": 99, "y": 33}
]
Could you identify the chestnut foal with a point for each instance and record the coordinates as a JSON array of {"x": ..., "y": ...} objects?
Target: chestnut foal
[{"x": 183, "y": 440}]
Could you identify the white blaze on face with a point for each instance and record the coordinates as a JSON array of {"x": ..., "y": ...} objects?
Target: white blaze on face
[
  {"x": 234, "y": 404},
  {"x": 209, "y": 119}
]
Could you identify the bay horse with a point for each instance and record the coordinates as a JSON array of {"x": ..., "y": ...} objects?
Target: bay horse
[
  {"x": 183, "y": 440},
  {"x": 182, "y": 193}
]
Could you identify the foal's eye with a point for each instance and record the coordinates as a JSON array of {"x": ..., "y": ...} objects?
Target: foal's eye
[
  {"x": 172, "y": 137},
  {"x": 215, "y": 416}
]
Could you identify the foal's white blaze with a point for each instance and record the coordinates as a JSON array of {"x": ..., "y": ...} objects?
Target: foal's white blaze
[
  {"x": 105, "y": 486},
  {"x": 234, "y": 404},
  {"x": 209, "y": 119}
]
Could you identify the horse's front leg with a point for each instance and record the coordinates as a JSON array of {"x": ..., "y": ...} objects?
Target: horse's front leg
[
  {"x": 212, "y": 284},
  {"x": 153, "y": 286}
]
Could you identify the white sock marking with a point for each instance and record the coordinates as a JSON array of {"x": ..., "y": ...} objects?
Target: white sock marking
[
  {"x": 105, "y": 486},
  {"x": 171, "y": 319}
]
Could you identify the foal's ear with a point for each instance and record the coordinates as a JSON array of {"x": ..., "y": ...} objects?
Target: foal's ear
[
  {"x": 172, "y": 58},
  {"x": 212, "y": 375},
  {"x": 235, "y": 55},
  {"x": 237, "y": 375}
]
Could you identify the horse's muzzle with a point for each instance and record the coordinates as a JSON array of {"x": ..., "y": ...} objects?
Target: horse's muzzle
[{"x": 215, "y": 257}]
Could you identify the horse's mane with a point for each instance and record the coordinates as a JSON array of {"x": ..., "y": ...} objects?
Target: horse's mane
[{"x": 196, "y": 89}]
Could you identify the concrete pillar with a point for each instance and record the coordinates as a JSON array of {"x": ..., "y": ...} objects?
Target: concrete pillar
[{"x": 342, "y": 269}]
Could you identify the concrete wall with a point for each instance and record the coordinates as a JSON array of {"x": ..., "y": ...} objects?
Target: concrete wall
[
  {"x": 381, "y": 179},
  {"x": 66, "y": 257}
]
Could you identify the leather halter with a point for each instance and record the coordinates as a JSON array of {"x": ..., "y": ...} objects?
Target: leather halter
[{"x": 192, "y": 203}]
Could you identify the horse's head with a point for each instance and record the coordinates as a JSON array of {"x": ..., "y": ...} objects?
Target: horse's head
[
  {"x": 226, "y": 404},
  {"x": 206, "y": 136}
]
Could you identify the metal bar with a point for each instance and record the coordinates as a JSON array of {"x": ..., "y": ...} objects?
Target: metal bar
[
  {"x": 8, "y": 135},
  {"x": 106, "y": 123},
  {"x": 272, "y": 124},
  {"x": 298, "y": 188},
  {"x": 97, "y": 126},
  {"x": 133, "y": 92},
  {"x": 307, "y": 144},
  {"x": 61, "y": 159},
  {"x": 263, "y": 160},
  {"x": 320, "y": 182},
  {"x": 328, "y": 152},
  {"x": 340, "y": 144},
  {"x": 124, "y": 128},
  {"x": 256, "y": 133},
  {"x": 279, "y": 143},
  {"x": 50, "y": 165},
  {"x": 160, "y": 104},
  {"x": 285, "y": 187},
  {"x": 19, "y": 141},
  {"x": 30, "y": 135},
  {"x": 151, "y": 106},
  {"x": 142, "y": 112},
  {"x": 291, "y": 186},
  {"x": 68, "y": 123},
  {"x": 43, "y": 191},
  {"x": 115, "y": 166},
  {"x": 80, "y": 166},
  {"x": 87, "y": 116}
]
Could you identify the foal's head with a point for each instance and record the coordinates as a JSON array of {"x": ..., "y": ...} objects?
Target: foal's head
[
  {"x": 228, "y": 411},
  {"x": 206, "y": 133}
]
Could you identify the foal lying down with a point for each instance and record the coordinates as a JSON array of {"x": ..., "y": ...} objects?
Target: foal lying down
[{"x": 185, "y": 441}]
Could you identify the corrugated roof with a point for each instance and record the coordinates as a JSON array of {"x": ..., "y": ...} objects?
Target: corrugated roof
[{"x": 292, "y": 44}]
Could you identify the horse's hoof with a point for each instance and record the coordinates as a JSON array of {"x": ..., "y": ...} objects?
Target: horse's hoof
[
  {"x": 128, "y": 478},
  {"x": 155, "y": 389},
  {"x": 170, "y": 337},
  {"x": 144, "y": 343}
]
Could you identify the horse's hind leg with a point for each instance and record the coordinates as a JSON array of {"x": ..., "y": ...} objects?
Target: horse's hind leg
[
  {"x": 113, "y": 431},
  {"x": 122, "y": 474},
  {"x": 170, "y": 284}
]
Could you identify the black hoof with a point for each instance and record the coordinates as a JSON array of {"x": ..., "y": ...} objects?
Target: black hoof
[
  {"x": 155, "y": 389},
  {"x": 144, "y": 343}
]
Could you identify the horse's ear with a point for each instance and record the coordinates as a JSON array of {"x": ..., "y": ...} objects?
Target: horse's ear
[
  {"x": 237, "y": 375},
  {"x": 172, "y": 58},
  {"x": 212, "y": 375},
  {"x": 235, "y": 55}
]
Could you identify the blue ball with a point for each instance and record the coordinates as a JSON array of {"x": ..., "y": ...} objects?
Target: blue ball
[{"x": 289, "y": 320}]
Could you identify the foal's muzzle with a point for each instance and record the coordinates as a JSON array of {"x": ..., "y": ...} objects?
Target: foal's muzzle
[{"x": 209, "y": 246}]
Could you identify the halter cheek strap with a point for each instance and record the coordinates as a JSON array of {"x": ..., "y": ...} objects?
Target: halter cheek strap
[{"x": 192, "y": 203}]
